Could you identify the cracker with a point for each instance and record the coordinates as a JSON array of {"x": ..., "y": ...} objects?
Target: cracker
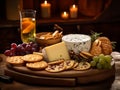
[
  {"x": 32, "y": 58},
  {"x": 15, "y": 60},
  {"x": 82, "y": 66},
  {"x": 87, "y": 54},
  {"x": 75, "y": 64},
  {"x": 55, "y": 67},
  {"x": 56, "y": 62},
  {"x": 69, "y": 64},
  {"x": 37, "y": 65}
]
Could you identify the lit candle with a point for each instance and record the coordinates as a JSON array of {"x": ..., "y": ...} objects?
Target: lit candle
[
  {"x": 65, "y": 15},
  {"x": 73, "y": 11},
  {"x": 45, "y": 9}
]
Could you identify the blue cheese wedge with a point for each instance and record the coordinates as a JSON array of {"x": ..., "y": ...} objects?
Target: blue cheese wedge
[{"x": 56, "y": 52}]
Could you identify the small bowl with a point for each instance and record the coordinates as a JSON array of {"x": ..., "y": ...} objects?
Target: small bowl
[
  {"x": 77, "y": 42},
  {"x": 44, "y": 42}
]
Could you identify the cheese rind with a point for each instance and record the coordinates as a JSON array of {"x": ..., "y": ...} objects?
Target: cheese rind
[{"x": 56, "y": 52}]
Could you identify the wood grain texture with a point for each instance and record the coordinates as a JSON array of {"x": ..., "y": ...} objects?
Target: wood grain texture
[
  {"x": 40, "y": 80},
  {"x": 69, "y": 78},
  {"x": 69, "y": 73}
]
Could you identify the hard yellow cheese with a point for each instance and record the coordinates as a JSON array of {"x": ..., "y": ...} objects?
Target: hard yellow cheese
[{"x": 56, "y": 52}]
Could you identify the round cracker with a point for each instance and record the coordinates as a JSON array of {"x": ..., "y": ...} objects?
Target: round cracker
[
  {"x": 32, "y": 58},
  {"x": 87, "y": 54},
  {"x": 56, "y": 62},
  {"x": 82, "y": 66},
  {"x": 37, "y": 65},
  {"x": 15, "y": 60},
  {"x": 55, "y": 67},
  {"x": 75, "y": 64},
  {"x": 69, "y": 64}
]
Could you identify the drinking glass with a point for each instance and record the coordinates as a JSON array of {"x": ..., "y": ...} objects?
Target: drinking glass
[{"x": 28, "y": 25}]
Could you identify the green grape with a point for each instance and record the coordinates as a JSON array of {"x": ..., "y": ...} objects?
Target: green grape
[
  {"x": 101, "y": 56},
  {"x": 107, "y": 66},
  {"x": 99, "y": 66},
  {"x": 108, "y": 58},
  {"x": 96, "y": 59},
  {"x": 93, "y": 63},
  {"x": 102, "y": 61}
]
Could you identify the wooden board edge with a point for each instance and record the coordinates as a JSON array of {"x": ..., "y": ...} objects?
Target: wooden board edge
[
  {"x": 37, "y": 80},
  {"x": 96, "y": 78}
]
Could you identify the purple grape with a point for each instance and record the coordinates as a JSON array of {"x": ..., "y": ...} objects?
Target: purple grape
[
  {"x": 13, "y": 45},
  {"x": 31, "y": 43},
  {"x": 13, "y": 50},
  {"x": 7, "y": 52},
  {"x": 22, "y": 53},
  {"x": 22, "y": 49},
  {"x": 27, "y": 52},
  {"x": 33, "y": 49},
  {"x": 19, "y": 47},
  {"x": 28, "y": 47},
  {"x": 17, "y": 53},
  {"x": 35, "y": 45},
  {"x": 24, "y": 45},
  {"x": 12, "y": 54}
]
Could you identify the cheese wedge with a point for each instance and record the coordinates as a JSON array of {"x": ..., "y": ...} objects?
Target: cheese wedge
[{"x": 56, "y": 52}]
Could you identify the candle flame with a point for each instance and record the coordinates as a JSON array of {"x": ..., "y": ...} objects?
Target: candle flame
[
  {"x": 73, "y": 5},
  {"x": 65, "y": 13},
  {"x": 45, "y": 1}
]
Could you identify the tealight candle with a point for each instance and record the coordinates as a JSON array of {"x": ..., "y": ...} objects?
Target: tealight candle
[
  {"x": 73, "y": 11},
  {"x": 45, "y": 9},
  {"x": 65, "y": 15}
]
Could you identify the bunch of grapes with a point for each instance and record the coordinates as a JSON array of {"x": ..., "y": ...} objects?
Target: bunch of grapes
[
  {"x": 102, "y": 61},
  {"x": 22, "y": 49}
]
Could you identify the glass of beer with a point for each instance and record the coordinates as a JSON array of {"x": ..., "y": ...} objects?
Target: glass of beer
[{"x": 28, "y": 25}]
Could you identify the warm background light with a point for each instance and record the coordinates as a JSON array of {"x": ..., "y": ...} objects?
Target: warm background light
[
  {"x": 65, "y": 15},
  {"x": 73, "y": 11},
  {"x": 46, "y": 9},
  {"x": 45, "y": 2}
]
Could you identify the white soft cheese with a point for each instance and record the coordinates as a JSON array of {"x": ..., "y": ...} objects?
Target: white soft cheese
[
  {"x": 77, "y": 42},
  {"x": 76, "y": 38},
  {"x": 56, "y": 52}
]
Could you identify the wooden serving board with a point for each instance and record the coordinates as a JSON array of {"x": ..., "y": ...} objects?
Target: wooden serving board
[
  {"x": 68, "y": 73},
  {"x": 65, "y": 78}
]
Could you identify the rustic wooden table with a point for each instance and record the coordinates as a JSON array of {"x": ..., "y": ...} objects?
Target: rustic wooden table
[
  {"x": 110, "y": 84},
  {"x": 20, "y": 86}
]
